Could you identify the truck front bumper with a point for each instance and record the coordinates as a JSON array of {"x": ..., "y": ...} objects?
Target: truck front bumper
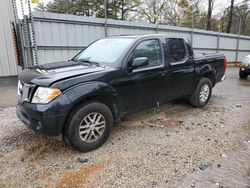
[
  {"x": 45, "y": 118},
  {"x": 245, "y": 69}
]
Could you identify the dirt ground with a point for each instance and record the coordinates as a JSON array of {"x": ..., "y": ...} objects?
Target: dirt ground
[
  {"x": 8, "y": 91},
  {"x": 175, "y": 146}
]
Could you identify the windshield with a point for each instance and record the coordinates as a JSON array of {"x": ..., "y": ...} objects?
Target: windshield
[{"x": 105, "y": 51}]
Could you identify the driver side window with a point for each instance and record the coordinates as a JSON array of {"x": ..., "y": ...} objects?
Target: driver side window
[{"x": 150, "y": 49}]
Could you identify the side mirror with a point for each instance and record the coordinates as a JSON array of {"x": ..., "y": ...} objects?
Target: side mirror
[{"x": 139, "y": 62}]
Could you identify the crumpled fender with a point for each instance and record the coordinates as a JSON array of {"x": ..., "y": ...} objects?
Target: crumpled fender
[{"x": 204, "y": 71}]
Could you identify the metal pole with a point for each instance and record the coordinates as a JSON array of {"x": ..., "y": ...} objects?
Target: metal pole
[
  {"x": 218, "y": 38},
  {"x": 32, "y": 37},
  {"x": 238, "y": 41},
  {"x": 157, "y": 27},
  {"x": 218, "y": 43},
  {"x": 105, "y": 14},
  {"x": 27, "y": 52}
]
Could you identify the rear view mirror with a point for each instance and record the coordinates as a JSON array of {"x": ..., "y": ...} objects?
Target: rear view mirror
[{"x": 139, "y": 62}]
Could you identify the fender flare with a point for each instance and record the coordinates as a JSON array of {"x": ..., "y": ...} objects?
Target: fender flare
[
  {"x": 96, "y": 91},
  {"x": 207, "y": 71}
]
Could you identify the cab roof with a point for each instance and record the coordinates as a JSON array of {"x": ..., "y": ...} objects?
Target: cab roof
[{"x": 145, "y": 36}]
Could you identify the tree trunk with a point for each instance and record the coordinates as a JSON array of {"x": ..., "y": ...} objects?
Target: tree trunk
[
  {"x": 229, "y": 23},
  {"x": 122, "y": 11},
  {"x": 209, "y": 14}
]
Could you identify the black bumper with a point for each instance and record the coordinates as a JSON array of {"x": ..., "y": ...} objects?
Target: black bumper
[
  {"x": 246, "y": 70},
  {"x": 48, "y": 119}
]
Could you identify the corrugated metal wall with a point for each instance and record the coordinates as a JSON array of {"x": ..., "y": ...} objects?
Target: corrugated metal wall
[
  {"x": 60, "y": 37},
  {"x": 8, "y": 65}
]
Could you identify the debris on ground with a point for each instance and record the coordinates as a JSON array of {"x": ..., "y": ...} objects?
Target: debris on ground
[
  {"x": 82, "y": 160},
  {"x": 205, "y": 166}
]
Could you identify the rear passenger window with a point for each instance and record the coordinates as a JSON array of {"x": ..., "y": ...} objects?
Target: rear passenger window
[{"x": 175, "y": 50}]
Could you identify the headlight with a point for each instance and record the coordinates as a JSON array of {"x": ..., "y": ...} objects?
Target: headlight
[{"x": 44, "y": 95}]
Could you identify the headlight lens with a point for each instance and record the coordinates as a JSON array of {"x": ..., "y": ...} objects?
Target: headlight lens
[{"x": 44, "y": 95}]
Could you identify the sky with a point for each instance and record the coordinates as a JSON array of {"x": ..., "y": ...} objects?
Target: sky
[{"x": 219, "y": 6}]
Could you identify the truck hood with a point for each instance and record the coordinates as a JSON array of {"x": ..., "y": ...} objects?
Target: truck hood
[{"x": 47, "y": 74}]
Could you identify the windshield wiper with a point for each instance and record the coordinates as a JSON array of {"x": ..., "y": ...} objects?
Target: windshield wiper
[{"x": 88, "y": 62}]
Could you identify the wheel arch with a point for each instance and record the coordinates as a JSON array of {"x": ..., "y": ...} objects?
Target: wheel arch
[
  {"x": 208, "y": 71},
  {"x": 98, "y": 92}
]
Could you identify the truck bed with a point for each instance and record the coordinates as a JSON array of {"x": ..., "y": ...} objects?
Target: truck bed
[
  {"x": 213, "y": 61},
  {"x": 200, "y": 56}
]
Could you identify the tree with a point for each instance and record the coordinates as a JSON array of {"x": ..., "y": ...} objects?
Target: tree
[
  {"x": 185, "y": 10},
  {"x": 186, "y": 13},
  {"x": 242, "y": 13},
  {"x": 116, "y": 9},
  {"x": 40, "y": 7},
  {"x": 209, "y": 14},
  {"x": 230, "y": 17},
  {"x": 126, "y": 6},
  {"x": 152, "y": 10},
  {"x": 60, "y": 6},
  {"x": 112, "y": 9},
  {"x": 77, "y": 7}
]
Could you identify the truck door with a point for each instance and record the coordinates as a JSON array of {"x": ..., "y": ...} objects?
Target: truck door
[
  {"x": 141, "y": 86},
  {"x": 181, "y": 67}
]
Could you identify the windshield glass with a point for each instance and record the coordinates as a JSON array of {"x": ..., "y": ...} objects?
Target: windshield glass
[{"x": 104, "y": 51}]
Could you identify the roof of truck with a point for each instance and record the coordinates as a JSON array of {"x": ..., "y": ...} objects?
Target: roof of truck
[{"x": 145, "y": 35}]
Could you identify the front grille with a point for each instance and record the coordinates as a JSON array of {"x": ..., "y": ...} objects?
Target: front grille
[{"x": 24, "y": 92}]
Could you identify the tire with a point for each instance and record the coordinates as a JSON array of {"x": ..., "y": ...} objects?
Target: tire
[
  {"x": 88, "y": 119},
  {"x": 242, "y": 75},
  {"x": 196, "y": 99}
]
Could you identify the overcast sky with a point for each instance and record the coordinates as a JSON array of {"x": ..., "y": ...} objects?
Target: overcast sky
[{"x": 219, "y": 5}]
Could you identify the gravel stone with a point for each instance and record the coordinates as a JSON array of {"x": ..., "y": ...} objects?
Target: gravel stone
[{"x": 139, "y": 154}]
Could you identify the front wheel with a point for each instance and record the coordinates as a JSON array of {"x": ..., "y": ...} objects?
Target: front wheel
[
  {"x": 89, "y": 126},
  {"x": 202, "y": 93}
]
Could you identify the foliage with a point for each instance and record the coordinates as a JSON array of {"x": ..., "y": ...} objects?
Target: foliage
[{"x": 188, "y": 13}]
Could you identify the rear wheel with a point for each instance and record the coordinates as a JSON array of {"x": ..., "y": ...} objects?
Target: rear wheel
[
  {"x": 242, "y": 74},
  {"x": 89, "y": 126},
  {"x": 202, "y": 93}
]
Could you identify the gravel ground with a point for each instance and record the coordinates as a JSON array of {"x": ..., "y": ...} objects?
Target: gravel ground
[{"x": 175, "y": 146}]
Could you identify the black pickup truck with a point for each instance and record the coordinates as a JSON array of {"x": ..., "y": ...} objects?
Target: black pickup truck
[{"x": 80, "y": 99}]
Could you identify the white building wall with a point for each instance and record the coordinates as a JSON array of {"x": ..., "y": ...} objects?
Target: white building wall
[{"x": 8, "y": 66}]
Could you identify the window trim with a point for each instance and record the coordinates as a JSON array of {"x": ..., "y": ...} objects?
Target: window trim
[
  {"x": 186, "y": 50},
  {"x": 162, "y": 63},
  {"x": 147, "y": 68}
]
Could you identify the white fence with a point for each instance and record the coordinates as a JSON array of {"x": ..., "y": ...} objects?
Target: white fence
[
  {"x": 8, "y": 65},
  {"x": 60, "y": 37}
]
